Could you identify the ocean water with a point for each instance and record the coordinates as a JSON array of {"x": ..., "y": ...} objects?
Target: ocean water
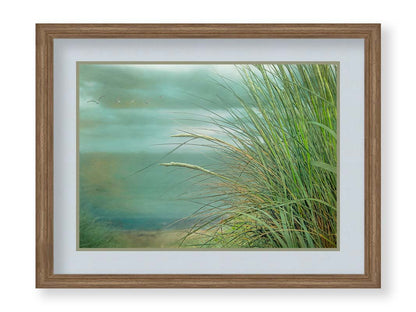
[
  {"x": 112, "y": 190},
  {"x": 128, "y": 114}
]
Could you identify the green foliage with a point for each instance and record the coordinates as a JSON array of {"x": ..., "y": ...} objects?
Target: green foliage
[
  {"x": 275, "y": 183},
  {"x": 94, "y": 233}
]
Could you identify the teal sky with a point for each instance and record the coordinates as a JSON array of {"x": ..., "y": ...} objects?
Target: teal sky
[{"x": 137, "y": 107}]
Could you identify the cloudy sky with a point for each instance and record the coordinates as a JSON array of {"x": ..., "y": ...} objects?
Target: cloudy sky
[{"x": 137, "y": 107}]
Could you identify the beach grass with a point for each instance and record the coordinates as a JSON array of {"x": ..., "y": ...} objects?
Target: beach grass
[
  {"x": 94, "y": 233},
  {"x": 274, "y": 184}
]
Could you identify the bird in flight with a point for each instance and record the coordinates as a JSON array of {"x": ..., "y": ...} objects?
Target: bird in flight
[{"x": 97, "y": 101}]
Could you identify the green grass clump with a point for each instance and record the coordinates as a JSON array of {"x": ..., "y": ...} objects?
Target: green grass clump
[
  {"x": 275, "y": 182},
  {"x": 94, "y": 233}
]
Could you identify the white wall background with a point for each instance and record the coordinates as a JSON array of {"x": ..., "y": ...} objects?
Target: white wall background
[{"x": 17, "y": 166}]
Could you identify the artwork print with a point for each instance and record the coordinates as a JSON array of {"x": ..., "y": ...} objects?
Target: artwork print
[{"x": 207, "y": 156}]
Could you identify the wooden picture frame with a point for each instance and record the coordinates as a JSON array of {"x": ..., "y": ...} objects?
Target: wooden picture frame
[{"x": 45, "y": 35}]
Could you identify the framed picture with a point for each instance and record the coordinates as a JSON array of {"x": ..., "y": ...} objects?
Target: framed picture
[{"x": 208, "y": 155}]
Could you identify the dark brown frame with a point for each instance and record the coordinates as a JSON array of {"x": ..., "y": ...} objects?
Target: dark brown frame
[{"x": 45, "y": 33}]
